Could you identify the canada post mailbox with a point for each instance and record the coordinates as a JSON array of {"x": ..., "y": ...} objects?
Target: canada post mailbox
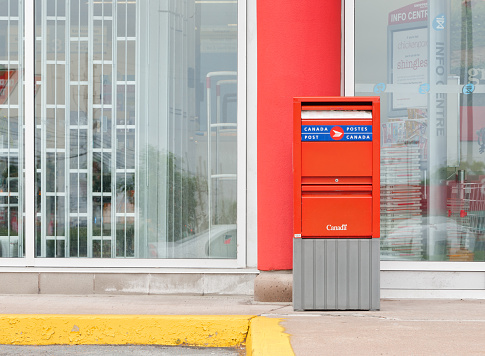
[{"x": 336, "y": 160}]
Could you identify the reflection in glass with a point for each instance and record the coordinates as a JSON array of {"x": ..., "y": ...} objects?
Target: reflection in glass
[
  {"x": 136, "y": 129},
  {"x": 11, "y": 130},
  {"x": 425, "y": 60}
]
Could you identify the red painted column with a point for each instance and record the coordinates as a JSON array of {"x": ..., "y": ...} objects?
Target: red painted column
[{"x": 298, "y": 55}]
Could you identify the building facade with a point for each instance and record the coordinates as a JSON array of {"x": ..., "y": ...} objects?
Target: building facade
[{"x": 146, "y": 146}]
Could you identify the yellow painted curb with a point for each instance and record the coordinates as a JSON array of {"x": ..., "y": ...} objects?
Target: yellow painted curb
[
  {"x": 266, "y": 337},
  {"x": 209, "y": 331}
]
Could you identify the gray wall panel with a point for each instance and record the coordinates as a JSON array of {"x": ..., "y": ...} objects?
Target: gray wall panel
[
  {"x": 331, "y": 274},
  {"x": 297, "y": 280},
  {"x": 342, "y": 274},
  {"x": 364, "y": 274},
  {"x": 375, "y": 275},
  {"x": 320, "y": 281},
  {"x": 308, "y": 273},
  {"x": 353, "y": 276}
]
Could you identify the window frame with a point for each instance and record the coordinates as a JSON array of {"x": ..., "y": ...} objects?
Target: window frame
[
  {"x": 348, "y": 89},
  {"x": 29, "y": 259}
]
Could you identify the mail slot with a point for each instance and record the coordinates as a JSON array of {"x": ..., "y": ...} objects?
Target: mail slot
[{"x": 336, "y": 160}]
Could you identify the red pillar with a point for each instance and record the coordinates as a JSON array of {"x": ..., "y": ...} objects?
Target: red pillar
[{"x": 298, "y": 55}]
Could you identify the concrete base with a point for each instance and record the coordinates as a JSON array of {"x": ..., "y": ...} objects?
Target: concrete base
[
  {"x": 123, "y": 282},
  {"x": 273, "y": 286}
]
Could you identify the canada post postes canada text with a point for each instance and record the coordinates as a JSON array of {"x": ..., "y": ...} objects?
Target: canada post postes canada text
[{"x": 336, "y": 133}]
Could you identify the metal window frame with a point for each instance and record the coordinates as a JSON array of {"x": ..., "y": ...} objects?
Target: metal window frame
[
  {"x": 8, "y": 153},
  {"x": 348, "y": 89},
  {"x": 29, "y": 259}
]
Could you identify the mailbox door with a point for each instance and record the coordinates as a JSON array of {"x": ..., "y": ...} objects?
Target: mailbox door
[
  {"x": 348, "y": 155},
  {"x": 327, "y": 212}
]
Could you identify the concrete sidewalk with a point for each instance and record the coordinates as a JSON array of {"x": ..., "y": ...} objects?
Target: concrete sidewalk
[{"x": 418, "y": 327}]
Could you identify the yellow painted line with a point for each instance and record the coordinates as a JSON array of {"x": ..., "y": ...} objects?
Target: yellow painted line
[
  {"x": 266, "y": 337},
  {"x": 263, "y": 335},
  {"x": 209, "y": 331}
]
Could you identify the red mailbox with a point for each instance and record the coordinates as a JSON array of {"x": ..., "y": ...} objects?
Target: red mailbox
[
  {"x": 336, "y": 162},
  {"x": 336, "y": 167}
]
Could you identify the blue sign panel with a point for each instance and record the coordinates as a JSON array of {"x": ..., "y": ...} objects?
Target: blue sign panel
[{"x": 330, "y": 133}]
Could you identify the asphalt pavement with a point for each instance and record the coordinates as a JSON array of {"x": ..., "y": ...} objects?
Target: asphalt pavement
[{"x": 108, "y": 350}]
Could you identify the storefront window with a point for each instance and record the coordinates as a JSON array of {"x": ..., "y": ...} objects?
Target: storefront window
[
  {"x": 135, "y": 142},
  {"x": 11, "y": 130},
  {"x": 426, "y": 60}
]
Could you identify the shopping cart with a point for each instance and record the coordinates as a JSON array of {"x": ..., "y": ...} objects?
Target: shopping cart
[{"x": 466, "y": 206}]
